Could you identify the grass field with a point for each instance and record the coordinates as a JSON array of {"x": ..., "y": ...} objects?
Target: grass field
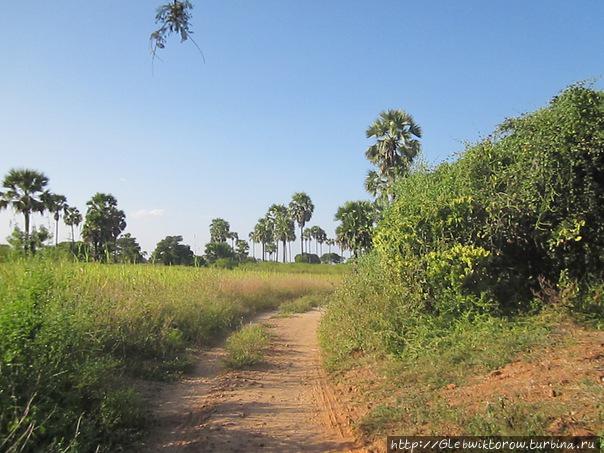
[{"x": 74, "y": 335}]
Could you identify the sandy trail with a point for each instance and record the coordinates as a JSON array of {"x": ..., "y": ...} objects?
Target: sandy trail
[{"x": 285, "y": 404}]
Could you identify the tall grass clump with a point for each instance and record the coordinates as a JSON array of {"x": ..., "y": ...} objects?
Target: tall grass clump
[
  {"x": 302, "y": 304},
  {"x": 73, "y": 334},
  {"x": 246, "y": 346},
  {"x": 475, "y": 259}
]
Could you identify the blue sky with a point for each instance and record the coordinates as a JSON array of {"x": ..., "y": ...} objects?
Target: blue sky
[{"x": 281, "y": 104}]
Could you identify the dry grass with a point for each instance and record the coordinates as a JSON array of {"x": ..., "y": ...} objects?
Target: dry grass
[{"x": 73, "y": 334}]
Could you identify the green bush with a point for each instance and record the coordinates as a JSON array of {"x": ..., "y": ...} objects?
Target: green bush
[
  {"x": 532, "y": 196},
  {"x": 309, "y": 258},
  {"x": 516, "y": 223},
  {"x": 331, "y": 258}
]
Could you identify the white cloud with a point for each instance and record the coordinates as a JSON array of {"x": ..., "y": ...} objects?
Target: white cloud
[{"x": 146, "y": 213}]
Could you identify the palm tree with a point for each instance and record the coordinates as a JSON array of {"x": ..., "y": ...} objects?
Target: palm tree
[
  {"x": 330, "y": 243},
  {"x": 319, "y": 235},
  {"x": 264, "y": 234},
  {"x": 356, "y": 227},
  {"x": 219, "y": 230},
  {"x": 72, "y": 218},
  {"x": 283, "y": 225},
  {"x": 233, "y": 236},
  {"x": 271, "y": 248},
  {"x": 397, "y": 145},
  {"x": 252, "y": 236},
  {"x": 55, "y": 204},
  {"x": 25, "y": 189},
  {"x": 377, "y": 185},
  {"x": 307, "y": 234},
  {"x": 301, "y": 209}
]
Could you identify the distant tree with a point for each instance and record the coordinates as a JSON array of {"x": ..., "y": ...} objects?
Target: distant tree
[
  {"x": 233, "y": 236},
  {"x": 301, "y": 209},
  {"x": 169, "y": 251},
  {"x": 356, "y": 225},
  {"x": 36, "y": 239},
  {"x": 218, "y": 250},
  {"x": 283, "y": 225},
  {"x": 253, "y": 239},
  {"x": 397, "y": 144},
  {"x": 271, "y": 248},
  {"x": 319, "y": 235},
  {"x": 309, "y": 258},
  {"x": 219, "y": 230},
  {"x": 264, "y": 234},
  {"x": 103, "y": 224},
  {"x": 242, "y": 249},
  {"x": 128, "y": 250},
  {"x": 55, "y": 204},
  {"x": 72, "y": 218},
  {"x": 378, "y": 186},
  {"x": 307, "y": 234},
  {"x": 331, "y": 258},
  {"x": 23, "y": 192},
  {"x": 199, "y": 261},
  {"x": 330, "y": 243}
]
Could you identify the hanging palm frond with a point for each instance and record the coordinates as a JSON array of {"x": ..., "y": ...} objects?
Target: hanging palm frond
[{"x": 173, "y": 17}]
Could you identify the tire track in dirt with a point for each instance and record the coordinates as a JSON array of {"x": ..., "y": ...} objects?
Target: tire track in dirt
[{"x": 283, "y": 404}]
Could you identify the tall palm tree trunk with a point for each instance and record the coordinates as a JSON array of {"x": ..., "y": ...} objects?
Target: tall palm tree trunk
[
  {"x": 284, "y": 250},
  {"x": 27, "y": 245},
  {"x": 301, "y": 240},
  {"x": 56, "y": 231}
]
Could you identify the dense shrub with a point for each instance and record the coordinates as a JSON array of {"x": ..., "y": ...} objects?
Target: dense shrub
[
  {"x": 514, "y": 224},
  {"x": 530, "y": 198},
  {"x": 331, "y": 258},
  {"x": 309, "y": 258}
]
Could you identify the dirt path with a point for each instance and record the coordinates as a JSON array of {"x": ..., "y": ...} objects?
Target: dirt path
[{"x": 282, "y": 405}]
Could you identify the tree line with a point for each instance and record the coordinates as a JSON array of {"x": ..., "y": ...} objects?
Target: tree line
[{"x": 396, "y": 145}]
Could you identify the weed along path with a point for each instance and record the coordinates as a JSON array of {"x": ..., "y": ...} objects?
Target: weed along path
[{"x": 283, "y": 404}]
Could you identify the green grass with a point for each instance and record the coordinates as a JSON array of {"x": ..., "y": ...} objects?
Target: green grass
[
  {"x": 302, "y": 304},
  {"x": 246, "y": 346},
  {"x": 296, "y": 268},
  {"x": 375, "y": 332},
  {"x": 73, "y": 335}
]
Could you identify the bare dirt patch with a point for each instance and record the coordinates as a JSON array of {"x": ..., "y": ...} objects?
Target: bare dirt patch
[{"x": 559, "y": 376}]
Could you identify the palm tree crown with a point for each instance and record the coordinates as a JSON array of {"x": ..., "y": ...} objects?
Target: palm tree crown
[
  {"x": 24, "y": 192},
  {"x": 397, "y": 144},
  {"x": 55, "y": 204},
  {"x": 301, "y": 209}
]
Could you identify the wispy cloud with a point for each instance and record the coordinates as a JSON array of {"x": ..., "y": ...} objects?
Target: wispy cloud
[{"x": 146, "y": 213}]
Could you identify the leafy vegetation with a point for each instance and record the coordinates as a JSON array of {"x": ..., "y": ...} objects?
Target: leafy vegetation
[
  {"x": 246, "y": 346},
  {"x": 302, "y": 304},
  {"x": 477, "y": 260},
  {"x": 74, "y": 334}
]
